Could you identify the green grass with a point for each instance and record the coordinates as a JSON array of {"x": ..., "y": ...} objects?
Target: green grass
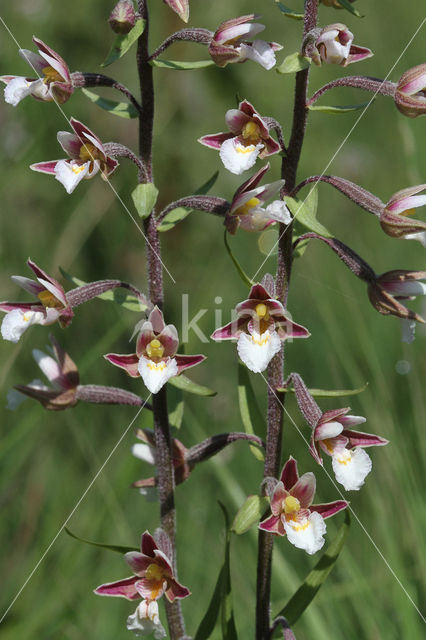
[{"x": 47, "y": 460}]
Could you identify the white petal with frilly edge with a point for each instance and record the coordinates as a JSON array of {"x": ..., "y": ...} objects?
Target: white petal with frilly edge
[
  {"x": 351, "y": 467},
  {"x": 70, "y": 173},
  {"x": 156, "y": 374},
  {"x": 17, "y": 89},
  {"x": 257, "y": 350},
  {"x": 307, "y": 534},
  {"x": 238, "y": 157},
  {"x": 259, "y": 51},
  {"x": 146, "y": 620},
  {"x": 16, "y": 322}
]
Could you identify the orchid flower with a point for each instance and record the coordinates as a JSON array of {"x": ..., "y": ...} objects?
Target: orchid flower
[
  {"x": 410, "y": 94},
  {"x": 54, "y": 81},
  {"x": 395, "y": 220},
  {"x": 248, "y": 138},
  {"x": 153, "y": 576},
  {"x": 334, "y": 436},
  {"x": 293, "y": 512},
  {"x": 228, "y": 44},
  {"x": 51, "y": 305},
  {"x": 261, "y": 324},
  {"x": 247, "y": 210},
  {"x": 87, "y": 156},
  {"x": 334, "y": 46},
  {"x": 386, "y": 291},
  {"x": 155, "y": 360}
]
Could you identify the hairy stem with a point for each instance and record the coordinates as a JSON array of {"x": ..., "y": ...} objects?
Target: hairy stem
[
  {"x": 99, "y": 80},
  {"x": 366, "y": 83}
]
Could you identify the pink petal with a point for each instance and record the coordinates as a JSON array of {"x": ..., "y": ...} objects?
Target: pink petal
[
  {"x": 249, "y": 184},
  {"x": 60, "y": 66},
  {"x": 127, "y": 362},
  {"x": 279, "y": 494},
  {"x": 331, "y": 416},
  {"x": 45, "y": 167},
  {"x": 23, "y": 306},
  {"x": 145, "y": 589},
  {"x": 138, "y": 562},
  {"x": 215, "y": 140},
  {"x": 272, "y": 147},
  {"x": 122, "y": 588},
  {"x": 235, "y": 120},
  {"x": 176, "y": 590},
  {"x": 70, "y": 143},
  {"x": 360, "y": 439},
  {"x": 169, "y": 339},
  {"x": 272, "y": 524},
  {"x": 148, "y": 544},
  {"x": 157, "y": 320},
  {"x": 85, "y": 134},
  {"x": 290, "y": 329},
  {"x": 36, "y": 62},
  {"x": 28, "y": 284},
  {"x": 327, "y": 430},
  {"x": 330, "y": 508},
  {"x": 246, "y": 107},
  {"x": 230, "y": 331},
  {"x": 258, "y": 292},
  {"x": 357, "y": 53},
  {"x": 304, "y": 489},
  {"x": 352, "y": 421},
  {"x": 185, "y": 362},
  {"x": 289, "y": 474},
  {"x": 314, "y": 449}
]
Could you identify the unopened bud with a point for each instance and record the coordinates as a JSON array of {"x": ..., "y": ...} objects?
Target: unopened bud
[
  {"x": 410, "y": 95},
  {"x": 123, "y": 17}
]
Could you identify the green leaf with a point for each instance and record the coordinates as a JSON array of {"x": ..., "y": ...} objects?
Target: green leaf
[
  {"x": 332, "y": 393},
  {"x": 208, "y": 622},
  {"x": 249, "y": 514},
  {"x": 144, "y": 198},
  {"x": 111, "y": 547},
  {"x": 184, "y": 383},
  {"x": 294, "y": 63},
  {"x": 347, "y": 5},
  {"x": 229, "y": 631},
  {"x": 305, "y": 211},
  {"x": 251, "y": 416},
  {"x": 268, "y": 242},
  {"x": 339, "y": 109},
  {"x": 313, "y": 581},
  {"x": 181, "y": 66},
  {"x": 120, "y": 296},
  {"x": 244, "y": 277},
  {"x": 176, "y": 416},
  {"x": 179, "y": 214},
  {"x": 121, "y": 109},
  {"x": 123, "y": 42},
  {"x": 289, "y": 13}
]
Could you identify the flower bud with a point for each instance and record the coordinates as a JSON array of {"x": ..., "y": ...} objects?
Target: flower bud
[
  {"x": 410, "y": 95},
  {"x": 334, "y": 46},
  {"x": 396, "y": 220},
  {"x": 123, "y": 17}
]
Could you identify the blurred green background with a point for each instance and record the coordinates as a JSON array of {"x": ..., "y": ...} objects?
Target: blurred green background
[{"x": 49, "y": 459}]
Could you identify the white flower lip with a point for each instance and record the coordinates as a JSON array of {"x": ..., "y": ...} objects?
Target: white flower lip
[
  {"x": 16, "y": 322},
  {"x": 257, "y": 350},
  {"x": 156, "y": 374},
  {"x": 238, "y": 158},
  {"x": 307, "y": 534},
  {"x": 351, "y": 467}
]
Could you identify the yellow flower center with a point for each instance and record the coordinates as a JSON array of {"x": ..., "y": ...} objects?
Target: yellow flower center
[
  {"x": 48, "y": 300},
  {"x": 262, "y": 340},
  {"x": 51, "y": 75},
  {"x": 155, "y": 349},
  {"x": 247, "y": 207},
  {"x": 251, "y": 132},
  {"x": 156, "y": 577},
  {"x": 88, "y": 152},
  {"x": 408, "y": 212},
  {"x": 291, "y": 505},
  {"x": 262, "y": 311}
]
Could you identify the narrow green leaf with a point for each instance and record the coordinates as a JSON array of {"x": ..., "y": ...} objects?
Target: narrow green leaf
[
  {"x": 347, "y": 5},
  {"x": 289, "y": 13},
  {"x": 121, "y": 109},
  {"x": 338, "y": 108},
  {"x": 251, "y": 416},
  {"x": 181, "y": 66},
  {"x": 179, "y": 214},
  {"x": 249, "y": 514},
  {"x": 208, "y": 622},
  {"x": 313, "y": 581},
  {"x": 268, "y": 242},
  {"x": 294, "y": 63},
  {"x": 332, "y": 393},
  {"x": 120, "y": 296},
  {"x": 176, "y": 416},
  {"x": 123, "y": 42},
  {"x": 184, "y": 383},
  {"x": 244, "y": 277},
  {"x": 229, "y": 630},
  {"x": 304, "y": 212},
  {"x": 144, "y": 198},
  {"x": 111, "y": 547}
]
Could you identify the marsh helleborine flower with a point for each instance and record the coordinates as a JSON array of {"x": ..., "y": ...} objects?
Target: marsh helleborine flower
[
  {"x": 261, "y": 324},
  {"x": 51, "y": 305},
  {"x": 87, "y": 157},
  {"x": 396, "y": 220},
  {"x": 248, "y": 138},
  {"x": 123, "y": 17},
  {"x": 334, "y": 436},
  {"x": 247, "y": 210},
  {"x": 54, "y": 81},
  {"x": 389, "y": 288},
  {"x": 293, "y": 512},
  {"x": 155, "y": 360},
  {"x": 410, "y": 94},
  {"x": 334, "y": 46},
  {"x": 228, "y": 44}
]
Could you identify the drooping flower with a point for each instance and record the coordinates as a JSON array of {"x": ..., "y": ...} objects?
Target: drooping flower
[
  {"x": 87, "y": 157},
  {"x": 293, "y": 512},
  {"x": 410, "y": 94},
  {"x": 181, "y": 7},
  {"x": 54, "y": 81},
  {"x": 333, "y": 435},
  {"x": 248, "y": 138},
  {"x": 334, "y": 46},
  {"x": 51, "y": 305},
  {"x": 247, "y": 210},
  {"x": 386, "y": 291},
  {"x": 261, "y": 324},
  {"x": 153, "y": 576},
  {"x": 396, "y": 220},
  {"x": 229, "y": 45},
  {"x": 146, "y": 620},
  {"x": 155, "y": 360},
  {"x": 146, "y": 451},
  {"x": 62, "y": 374}
]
